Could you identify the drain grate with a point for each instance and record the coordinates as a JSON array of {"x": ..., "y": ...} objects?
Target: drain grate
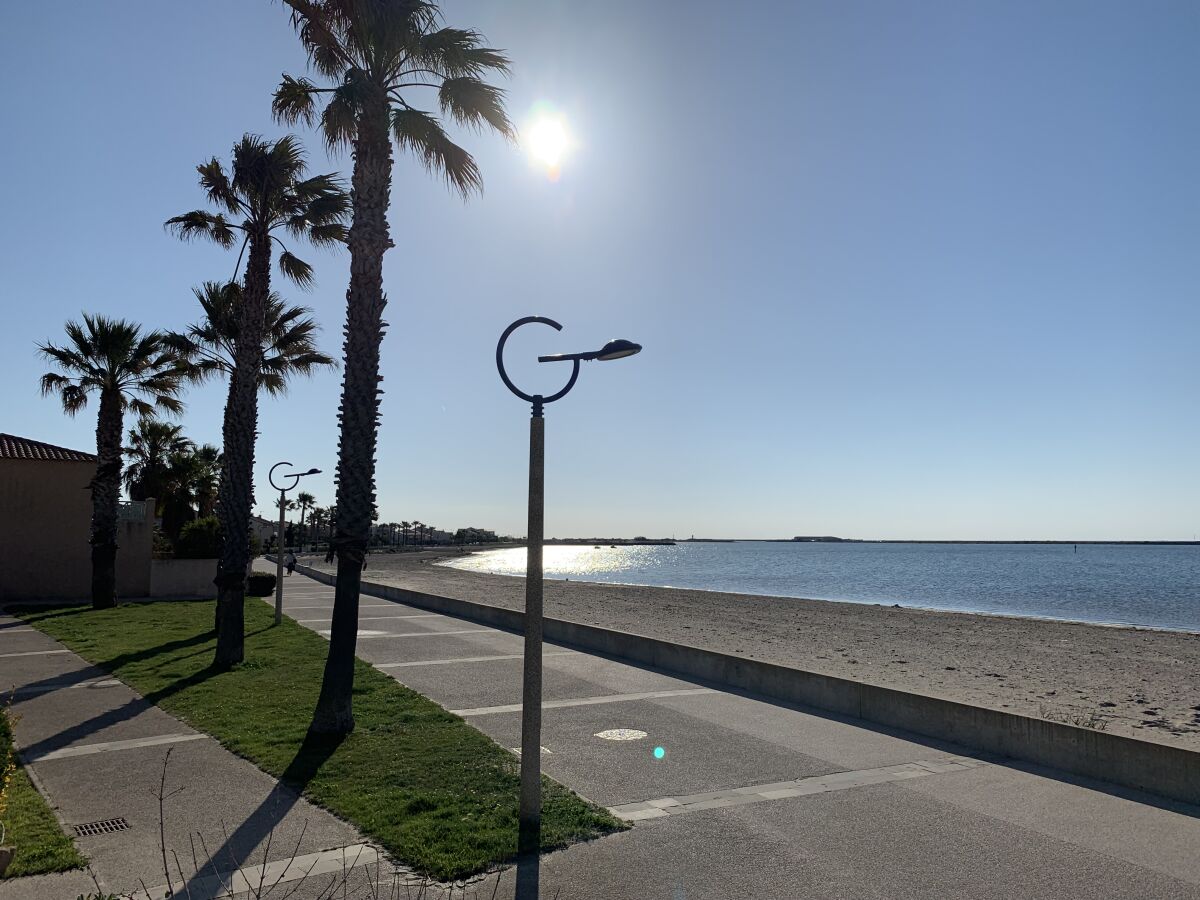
[{"x": 106, "y": 826}]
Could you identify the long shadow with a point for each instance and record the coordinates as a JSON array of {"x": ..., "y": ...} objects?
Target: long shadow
[
  {"x": 257, "y": 827},
  {"x": 133, "y": 707}
]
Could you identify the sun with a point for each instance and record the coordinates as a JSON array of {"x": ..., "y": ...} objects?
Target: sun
[{"x": 548, "y": 140}]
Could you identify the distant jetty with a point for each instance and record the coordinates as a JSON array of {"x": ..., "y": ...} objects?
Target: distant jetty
[{"x": 613, "y": 542}]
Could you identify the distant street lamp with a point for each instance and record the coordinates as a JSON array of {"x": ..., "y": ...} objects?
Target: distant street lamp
[
  {"x": 295, "y": 479},
  {"x": 530, "y": 816}
]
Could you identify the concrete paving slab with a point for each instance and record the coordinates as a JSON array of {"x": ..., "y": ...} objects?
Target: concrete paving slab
[
  {"x": 234, "y": 808},
  {"x": 866, "y": 844},
  {"x": 614, "y": 772},
  {"x": 68, "y": 718},
  {"x": 492, "y": 683},
  {"x": 847, "y": 744},
  {"x": 486, "y": 643},
  {"x": 1141, "y": 833},
  {"x": 61, "y": 886}
]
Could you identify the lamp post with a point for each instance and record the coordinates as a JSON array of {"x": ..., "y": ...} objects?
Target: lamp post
[
  {"x": 530, "y": 815},
  {"x": 295, "y": 479}
]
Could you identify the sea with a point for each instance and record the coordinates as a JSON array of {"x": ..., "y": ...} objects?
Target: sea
[{"x": 1152, "y": 585}]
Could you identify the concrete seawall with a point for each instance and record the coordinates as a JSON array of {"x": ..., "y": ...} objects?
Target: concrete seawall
[{"x": 1169, "y": 772}]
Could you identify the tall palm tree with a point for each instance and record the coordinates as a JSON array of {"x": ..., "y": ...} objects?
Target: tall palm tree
[
  {"x": 404, "y": 527},
  {"x": 378, "y": 54},
  {"x": 151, "y": 445},
  {"x": 266, "y": 187},
  {"x": 128, "y": 369}
]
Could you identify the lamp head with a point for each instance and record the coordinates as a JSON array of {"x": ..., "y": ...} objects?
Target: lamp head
[
  {"x": 313, "y": 472},
  {"x": 618, "y": 349}
]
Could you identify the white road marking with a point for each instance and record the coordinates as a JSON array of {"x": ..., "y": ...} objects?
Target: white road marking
[
  {"x": 408, "y": 634},
  {"x": 780, "y": 790},
  {"x": 372, "y": 618},
  {"x": 282, "y": 871},
  {"x": 463, "y": 659},
  {"x": 109, "y": 746},
  {"x": 32, "y": 653},
  {"x": 583, "y": 701},
  {"x": 51, "y": 686}
]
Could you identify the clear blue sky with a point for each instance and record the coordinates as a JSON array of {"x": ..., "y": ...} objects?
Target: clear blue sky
[{"x": 901, "y": 270}]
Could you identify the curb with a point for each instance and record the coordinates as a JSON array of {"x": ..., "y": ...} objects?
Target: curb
[{"x": 1170, "y": 772}]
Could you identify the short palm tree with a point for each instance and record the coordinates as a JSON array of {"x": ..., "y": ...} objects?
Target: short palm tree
[
  {"x": 151, "y": 444},
  {"x": 129, "y": 370},
  {"x": 289, "y": 338},
  {"x": 377, "y": 55},
  {"x": 305, "y": 502},
  {"x": 208, "y": 476},
  {"x": 267, "y": 188}
]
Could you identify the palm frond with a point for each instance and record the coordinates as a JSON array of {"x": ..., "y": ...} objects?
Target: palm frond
[
  {"x": 475, "y": 104},
  {"x": 215, "y": 182},
  {"x": 296, "y": 269},
  {"x": 456, "y": 53},
  {"x": 422, "y": 134},
  {"x": 294, "y": 101},
  {"x": 200, "y": 223}
]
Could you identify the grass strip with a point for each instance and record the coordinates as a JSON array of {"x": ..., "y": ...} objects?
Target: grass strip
[
  {"x": 29, "y": 825},
  {"x": 434, "y": 792}
]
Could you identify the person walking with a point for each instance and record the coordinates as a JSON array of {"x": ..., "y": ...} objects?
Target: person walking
[{"x": 290, "y": 562}]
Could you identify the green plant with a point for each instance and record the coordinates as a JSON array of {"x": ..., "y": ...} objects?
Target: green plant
[
  {"x": 199, "y": 539},
  {"x": 260, "y": 584}
]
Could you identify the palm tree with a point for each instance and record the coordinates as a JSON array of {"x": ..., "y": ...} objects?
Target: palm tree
[
  {"x": 208, "y": 476},
  {"x": 128, "y": 369},
  {"x": 289, "y": 344},
  {"x": 305, "y": 501},
  {"x": 378, "y": 55},
  {"x": 404, "y": 527},
  {"x": 151, "y": 444},
  {"x": 267, "y": 188}
]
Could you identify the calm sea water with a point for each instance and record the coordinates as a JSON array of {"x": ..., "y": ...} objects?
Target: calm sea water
[{"x": 1138, "y": 585}]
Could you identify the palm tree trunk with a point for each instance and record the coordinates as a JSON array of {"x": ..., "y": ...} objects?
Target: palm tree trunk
[
  {"x": 368, "y": 241},
  {"x": 235, "y": 493},
  {"x": 106, "y": 491}
]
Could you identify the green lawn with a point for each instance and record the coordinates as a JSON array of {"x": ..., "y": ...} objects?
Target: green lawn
[
  {"x": 29, "y": 824},
  {"x": 435, "y": 792}
]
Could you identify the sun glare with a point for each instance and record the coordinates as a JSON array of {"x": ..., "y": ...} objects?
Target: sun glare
[{"x": 548, "y": 141}]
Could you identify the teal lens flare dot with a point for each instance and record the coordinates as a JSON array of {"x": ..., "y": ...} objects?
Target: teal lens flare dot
[{"x": 659, "y": 752}]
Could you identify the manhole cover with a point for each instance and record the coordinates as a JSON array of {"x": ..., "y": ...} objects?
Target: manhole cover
[
  {"x": 105, "y": 826},
  {"x": 621, "y": 734}
]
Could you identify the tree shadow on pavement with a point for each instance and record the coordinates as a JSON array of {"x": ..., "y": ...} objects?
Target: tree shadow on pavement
[{"x": 259, "y": 826}]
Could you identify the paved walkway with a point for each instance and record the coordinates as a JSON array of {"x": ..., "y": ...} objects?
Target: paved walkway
[
  {"x": 755, "y": 799},
  {"x": 97, "y": 749},
  {"x": 747, "y": 798}
]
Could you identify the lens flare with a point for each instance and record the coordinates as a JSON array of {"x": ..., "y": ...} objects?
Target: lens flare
[
  {"x": 547, "y": 139},
  {"x": 659, "y": 752}
]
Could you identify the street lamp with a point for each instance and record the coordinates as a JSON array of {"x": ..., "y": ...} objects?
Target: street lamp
[
  {"x": 295, "y": 479},
  {"x": 530, "y": 816}
]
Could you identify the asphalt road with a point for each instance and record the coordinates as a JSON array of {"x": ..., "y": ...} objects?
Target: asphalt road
[{"x": 737, "y": 797}]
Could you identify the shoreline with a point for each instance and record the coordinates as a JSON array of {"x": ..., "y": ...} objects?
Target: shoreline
[
  {"x": 1131, "y": 626},
  {"x": 1138, "y": 682}
]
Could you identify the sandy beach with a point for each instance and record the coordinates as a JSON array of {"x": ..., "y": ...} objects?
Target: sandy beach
[{"x": 1144, "y": 683}]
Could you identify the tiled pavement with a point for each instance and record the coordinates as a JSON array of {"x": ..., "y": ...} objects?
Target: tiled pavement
[{"x": 737, "y": 797}]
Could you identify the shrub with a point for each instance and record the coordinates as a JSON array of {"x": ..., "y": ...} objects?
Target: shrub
[
  {"x": 260, "y": 584},
  {"x": 199, "y": 539}
]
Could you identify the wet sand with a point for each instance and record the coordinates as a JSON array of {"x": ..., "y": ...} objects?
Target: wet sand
[{"x": 1143, "y": 683}]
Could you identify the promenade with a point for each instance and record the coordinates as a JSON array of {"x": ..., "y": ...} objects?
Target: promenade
[
  {"x": 753, "y": 799},
  {"x": 746, "y": 799}
]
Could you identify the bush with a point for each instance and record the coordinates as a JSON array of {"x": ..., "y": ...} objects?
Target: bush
[
  {"x": 199, "y": 539},
  {"x": 260, "y": 584}
]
